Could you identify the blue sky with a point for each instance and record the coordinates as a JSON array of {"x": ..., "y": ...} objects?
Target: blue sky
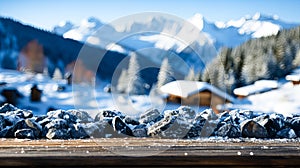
[{"x": 47, "y": 13}]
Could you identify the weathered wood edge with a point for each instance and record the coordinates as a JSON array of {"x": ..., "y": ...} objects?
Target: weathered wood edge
[{"x": 163, "y": 152}]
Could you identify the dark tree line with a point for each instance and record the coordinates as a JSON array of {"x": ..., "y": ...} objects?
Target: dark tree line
[{"x": 269, "y": 57}]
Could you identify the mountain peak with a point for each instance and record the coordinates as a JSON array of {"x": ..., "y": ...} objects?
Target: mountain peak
[
  {"x": 63, "y": 27},
  {"x": 225, "y": 33},
  {"x": 91, "y": 22},
  {"x": 263, "y": 17},
  {"x": 197, "y": 20},
  {"x": 256, "y": 16}
]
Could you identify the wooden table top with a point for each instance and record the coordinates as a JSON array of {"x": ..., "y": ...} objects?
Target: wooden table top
[{"x": 149, "y": 152}]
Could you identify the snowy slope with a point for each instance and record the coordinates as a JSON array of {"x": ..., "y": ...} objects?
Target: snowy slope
[{"x": 282, "y": 100}]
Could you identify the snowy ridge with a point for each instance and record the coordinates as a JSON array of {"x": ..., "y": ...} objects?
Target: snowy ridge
[
  {"x": 156, "y": 32},
  {"x": 80, "y": 32},
  {"x": 63, "y": 27},
  {"x": 235, "y": 32},
  {"x": 230, "y": 33}
]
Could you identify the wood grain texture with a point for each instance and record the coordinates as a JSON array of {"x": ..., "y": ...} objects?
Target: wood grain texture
[{"x": 154, "y": 152}]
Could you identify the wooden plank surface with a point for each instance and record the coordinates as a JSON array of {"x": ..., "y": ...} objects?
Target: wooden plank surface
[{"x": 148, "y": 152}]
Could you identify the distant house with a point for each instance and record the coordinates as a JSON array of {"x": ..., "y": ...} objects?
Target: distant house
[
  {"x": 80, "y": 74},
  {"x": 256, "y": 88},
  {"x": 11, "y": 95},
  {"x": 35, "y": 94},
  {"x": 195, "y": 93},
  {"x": 32, "y": 58},
  {"x": 294, "y": 77}
]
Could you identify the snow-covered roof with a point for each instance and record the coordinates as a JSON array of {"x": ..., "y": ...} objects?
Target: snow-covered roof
[
  {"x": 185, "y": 89},
  {"x": 267, "y": 83},
  {"x": 257, "y": 87},
  {"x": 294, "y": 76}
]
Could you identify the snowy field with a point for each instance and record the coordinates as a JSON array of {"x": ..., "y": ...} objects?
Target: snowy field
[
  {"x": 284, "y": 100},
  {"x": 83, "y": 97}
]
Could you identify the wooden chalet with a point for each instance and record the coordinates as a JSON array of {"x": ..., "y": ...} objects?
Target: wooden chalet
[
  {"x": 294, "y": 77},
  {"x": 195, "y": 93},
  {"x": 258, "y": 87}
]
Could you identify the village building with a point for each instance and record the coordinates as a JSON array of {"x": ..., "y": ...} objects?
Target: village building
[
  {"x": 294, "y": 77},
  {"x": 32, "y": 58},
  {"x": 258, "y": 87},
  {"x": 195, "y": 93},
  {"x": 35, "y": 94},
  {"x": 80, "y": 74},
  {"x": 10, "y": 95}
]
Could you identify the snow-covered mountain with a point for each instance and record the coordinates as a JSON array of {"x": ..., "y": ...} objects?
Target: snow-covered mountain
[
  {"x": 80, "y": 32},
  {"x": 235, "y": 32},
  {"x": 230, "y": 33},
  {"x": 151, "y": 31},
  {"x": 196, "y": 45}
]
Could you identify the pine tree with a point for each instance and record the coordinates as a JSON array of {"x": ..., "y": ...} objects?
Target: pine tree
[
  {"x": 296, "y": 61},
  {"x": 136, "y": 84},
  {"x": 269, "y": 57},
  {"x": 165, "y": 74},
  {"x": 192, "y": 76},
  {"x": 123, "y": 82},
  {"x": 8, "y": 50}
]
